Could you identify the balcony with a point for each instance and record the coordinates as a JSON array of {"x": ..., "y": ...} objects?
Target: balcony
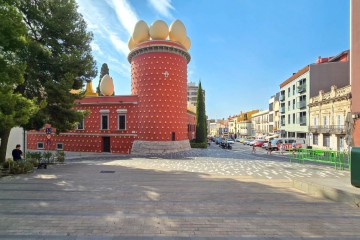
[
  {"x": 302, "y": 121},
  {"x": 301, "y": 104},
  {"x": 282, "y": 122},
  {"x": 329, "y": 129},
  {"x": 314, "y": 129},
  {"x": 282, "y": 98},
  {"x": 282, "y": 109},
  {"x": 301, "y": 88}
]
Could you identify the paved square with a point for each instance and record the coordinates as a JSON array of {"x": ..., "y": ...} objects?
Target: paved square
[{"x": 202, "y": 194}]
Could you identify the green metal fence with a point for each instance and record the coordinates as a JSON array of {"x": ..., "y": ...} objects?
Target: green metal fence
[{"x": 340, "y": 160}]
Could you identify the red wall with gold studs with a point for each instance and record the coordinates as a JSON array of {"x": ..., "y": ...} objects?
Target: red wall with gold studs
[
  {"x": 162, "y": 100},
  {"x": 90, "y": 139}
]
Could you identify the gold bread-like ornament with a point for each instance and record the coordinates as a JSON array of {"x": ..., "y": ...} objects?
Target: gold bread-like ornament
[
  {"x": 107, "y": 85},
  {"x": 177, "y": 32},
  {"x": 141, "y": 32}
]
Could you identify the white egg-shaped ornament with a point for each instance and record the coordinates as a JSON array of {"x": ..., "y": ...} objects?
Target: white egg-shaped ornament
[
  {"x": 187, "y": 43},
  {"x": 159, "y": 30},
  {"x": 141, "y": 32},
  {"x": 131, "y": 44},
  {"x": 177, "y": 31},
  {"x": 107, "y": 86}
]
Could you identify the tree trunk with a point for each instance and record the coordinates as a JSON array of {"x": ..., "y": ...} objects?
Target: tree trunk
[{"x": 4, "y": 136}]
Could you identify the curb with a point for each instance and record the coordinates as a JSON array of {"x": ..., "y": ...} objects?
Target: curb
[{"x": 327, "y": 192}]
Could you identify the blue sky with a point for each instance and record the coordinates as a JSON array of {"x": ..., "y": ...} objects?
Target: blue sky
[{"x": 241, "y": 49}]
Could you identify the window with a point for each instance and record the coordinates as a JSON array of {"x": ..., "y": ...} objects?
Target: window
[
  {"x": 293, "y": 118},
  {"x": 289, "y": 105},
  {"x": 340, "y": 120},
  {"x": 315, "y": 139},
  {"x": 293, "y": 89},
  {"x": 122, "y": 122},
  {"x": 326, "y": 140},
  {"x": 59, "y": 146},
  {"x": 325, "y": 121},
  {"x": 315, "y": 121},
  {"x": 289, "y": 93},
  {"x": 289, "y": 119},
  {"x": 40, "y": 145},
  {"x": 104, "y": 121},
  {"x": 80, "y": 125},
  {"x": 293, "y": 106}
]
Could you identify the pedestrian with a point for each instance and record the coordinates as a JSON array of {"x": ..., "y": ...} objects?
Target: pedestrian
[
  {"x": 253, "y": 148},
  {"x": 269, "y": 149},
  {"x": 281, "y": 148},
  {"x": 17, "y": 153},
  {"x": 293, "y": 145}
]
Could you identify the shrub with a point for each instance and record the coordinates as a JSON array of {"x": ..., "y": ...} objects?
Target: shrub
[
  {"x": 47, "y": 156},
  {"x": 33, "y": 161},
  {"x": 34, "y": 155},
  {"x": 60, "y": 156},
  {"x": 21, "y": 167},
  {"x": 8, "y": 163},
  {"x": 198, "y": 145}
]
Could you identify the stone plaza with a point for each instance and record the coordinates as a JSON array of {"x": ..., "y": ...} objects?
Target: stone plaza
[{"x": 200, "y": 194}]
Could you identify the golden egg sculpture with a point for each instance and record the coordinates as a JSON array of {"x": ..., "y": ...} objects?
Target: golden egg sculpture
[
  {"x": 131, "y": 44},
  {"x": 159, "y": 30},
  {"x": 186, "y": 43},
  {"x": 107, "y": 86},
  {"x": 141, "y": 32},
  {"x": 177, "y": 31}
]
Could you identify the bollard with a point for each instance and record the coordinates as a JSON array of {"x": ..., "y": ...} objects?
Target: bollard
[{"x": 355, "y": 166}]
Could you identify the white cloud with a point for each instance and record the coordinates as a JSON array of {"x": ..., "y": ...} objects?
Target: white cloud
[
  {"x": 162, "y": 6},
  {"x": 125, "y": 14},
  {"x": 119, "y": 44}
]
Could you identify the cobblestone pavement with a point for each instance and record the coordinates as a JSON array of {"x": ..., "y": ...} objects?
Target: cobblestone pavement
[{"x": 202, "y": 194}]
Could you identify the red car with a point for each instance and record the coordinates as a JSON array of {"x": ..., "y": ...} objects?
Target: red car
[{"x": 259, "y": 143}]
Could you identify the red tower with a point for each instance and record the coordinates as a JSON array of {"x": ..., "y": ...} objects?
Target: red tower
[{"x": 159, "y": 78}]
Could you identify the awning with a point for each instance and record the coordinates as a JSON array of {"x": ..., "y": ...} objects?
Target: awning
[{"x": 272, "y": 136}]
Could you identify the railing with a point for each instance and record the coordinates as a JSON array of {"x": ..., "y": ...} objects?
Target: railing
[
  {"x": 301, "y": 104},
  {"x": 340, "y": 160},
  {"x": 302, "y": 120},
  {"x": 282, "y": 98},
  {"x": 335, "y": 129},
  {"x": 301, "y": 88}
]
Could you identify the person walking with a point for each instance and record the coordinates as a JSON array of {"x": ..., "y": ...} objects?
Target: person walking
[
  {"x": 281, "y": 148},
  {"x": 293, "y": 146},
  {"x": 253, "y": 149},
  {"x": 17, "y": 153},
  {"x": 269, "y": 149}
]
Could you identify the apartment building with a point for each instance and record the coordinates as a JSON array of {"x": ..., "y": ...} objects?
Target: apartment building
[
  {"x": 243, "y": 124},
  {"x": 192, "y": 90},
  {"x": 297, "y": 90},
  {"x": 328, "y": 112},
  {"x": 260, "y": 124},
  {"x": 274, "y": 115}
]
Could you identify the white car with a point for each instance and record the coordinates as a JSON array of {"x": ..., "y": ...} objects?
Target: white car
[
  {"x": 252, "y": 142},
  {"x": 229, "y": 140},
  {"x": 265, "y": 145}
]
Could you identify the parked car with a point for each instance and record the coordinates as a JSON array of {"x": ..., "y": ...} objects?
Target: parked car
[
  {"x": 259, "y": 143},
  {"x": 237, "y": 139},
  {"x": 246, "y": 142},
  {"x": 229, "y": 140},
  {"x": 218, "y": 140},
  {"x": 265, "y": 145},
  {"x": 242, "y": 140},
  {"x": 252, "y": 142}
]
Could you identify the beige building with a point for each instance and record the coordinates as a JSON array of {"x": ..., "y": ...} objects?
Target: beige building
[
  {"x": 328, "y": 112},
  {"x": 260, "y": 124},
  {"x": 243, "y": 123}
]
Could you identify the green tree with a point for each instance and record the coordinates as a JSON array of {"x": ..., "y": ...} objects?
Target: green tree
[
  {"x": 201, "y": 129},
  {"x": 15, "y": 109},
  {"x": 56, "y": 58},
  {"x": 104, "y": 70}
]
